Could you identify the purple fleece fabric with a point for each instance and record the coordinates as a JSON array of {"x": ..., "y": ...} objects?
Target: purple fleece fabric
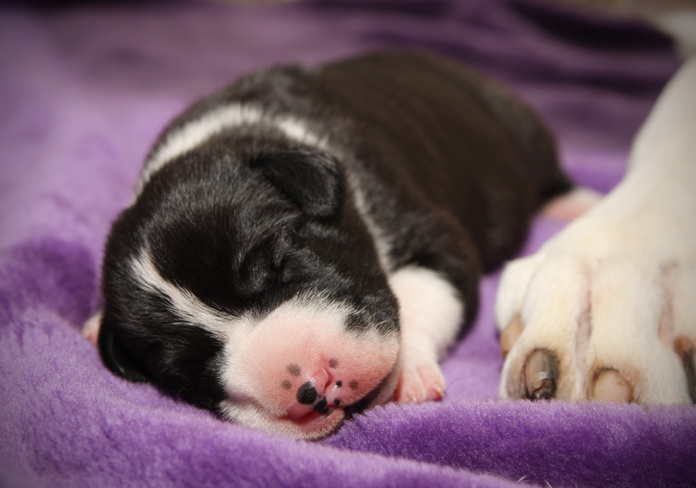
[{"x": 83, "y": 93}]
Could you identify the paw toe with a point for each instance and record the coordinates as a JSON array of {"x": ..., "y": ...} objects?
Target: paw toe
[
  {"x": 611, "y": 386},
  {"x": 433, "y": 381},
  {"x": 424, "y": 382},
  {"x": 687, "y": 352},
  {"x": 508, "y": 338}
]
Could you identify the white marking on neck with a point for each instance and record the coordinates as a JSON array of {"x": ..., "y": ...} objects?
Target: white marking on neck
[
  {"x": 198, "y": 131},
  {"x": 381, "y": 241},
  {"x": 184, "y": 303},
  {"x": 431, "y": 310}
]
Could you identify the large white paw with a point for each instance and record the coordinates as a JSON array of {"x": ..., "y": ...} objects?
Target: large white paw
[{"x": 605, "y": 311}]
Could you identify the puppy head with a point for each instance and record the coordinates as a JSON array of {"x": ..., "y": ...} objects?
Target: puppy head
[{"x": 248, "y": 284}]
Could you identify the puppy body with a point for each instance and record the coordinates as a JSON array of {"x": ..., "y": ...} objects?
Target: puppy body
[{"x": 308, "y": 242}]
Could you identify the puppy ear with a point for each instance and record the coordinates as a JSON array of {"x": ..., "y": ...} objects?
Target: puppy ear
[
  {"x": 116, "y": 358},
  {"x": 311, "y": 179}
]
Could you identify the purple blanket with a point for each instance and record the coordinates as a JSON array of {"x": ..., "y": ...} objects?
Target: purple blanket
[{"x": 84, "y": 91}]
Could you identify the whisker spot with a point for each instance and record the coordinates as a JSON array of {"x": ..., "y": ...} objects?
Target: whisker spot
[{"x": 294, "y": 369}]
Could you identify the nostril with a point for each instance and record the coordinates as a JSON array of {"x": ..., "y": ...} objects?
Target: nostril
[
  {"x": 306, "y": 394},
  {"x": 321, "y": 407}
]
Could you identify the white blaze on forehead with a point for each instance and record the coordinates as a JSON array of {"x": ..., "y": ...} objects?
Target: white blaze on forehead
[
  {"x": 197, "y": 132},
  {"x": 184, "y": 303}
]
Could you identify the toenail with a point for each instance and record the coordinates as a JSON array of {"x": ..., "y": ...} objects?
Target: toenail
[
  {"x": 611, "y": 386},
  {"x": 509, "y": 336},
  {"x": 540, "y": 373}
]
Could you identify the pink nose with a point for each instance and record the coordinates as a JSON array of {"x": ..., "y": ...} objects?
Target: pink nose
[{"x": 318, "y": 394}]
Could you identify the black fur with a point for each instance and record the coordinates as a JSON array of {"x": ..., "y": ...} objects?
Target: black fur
[
  {"x": 451, "y": 167},
  {"x": 310, "y": 178}
]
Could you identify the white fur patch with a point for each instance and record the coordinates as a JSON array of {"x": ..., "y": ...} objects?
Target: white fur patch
[
  {"x": 382, "y": 245},
  {"x": 199, "y": 131},
  {"x": 186, "y": 305},
  {"x": 298, "y": 321},
  {"x": 431, "y": 310},
  {"x": 304, "y": 321},
  {"x": 431, "y": 314},
  {"x": 310, "y": 334}
]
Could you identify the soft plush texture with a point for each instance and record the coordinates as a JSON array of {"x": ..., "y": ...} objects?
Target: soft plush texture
[{"x": 84, "y": 90}]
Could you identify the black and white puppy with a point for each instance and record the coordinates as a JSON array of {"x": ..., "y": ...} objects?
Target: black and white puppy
[{"x": 309, "y": 241}]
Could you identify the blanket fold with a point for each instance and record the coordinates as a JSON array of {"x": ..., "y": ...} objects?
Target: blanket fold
[{"x": 85, "y": 89}]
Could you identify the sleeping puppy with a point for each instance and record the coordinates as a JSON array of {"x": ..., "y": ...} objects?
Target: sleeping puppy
[
  {"x": 607, "y": 309},
  {"x": 308, "y": 242}
]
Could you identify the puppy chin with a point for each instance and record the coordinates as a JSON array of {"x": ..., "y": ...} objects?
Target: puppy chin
[
  {"x": 314, "y": 426},
  {"x": 300, "y": 371}
]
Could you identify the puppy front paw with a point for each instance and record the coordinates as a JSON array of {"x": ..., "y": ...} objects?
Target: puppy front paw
[
  {"x": 420, "y": 380},
  {"x": 604, "y": 312}
]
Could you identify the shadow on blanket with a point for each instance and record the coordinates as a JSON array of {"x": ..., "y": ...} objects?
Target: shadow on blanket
[{"x": 84, "y": 91}]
